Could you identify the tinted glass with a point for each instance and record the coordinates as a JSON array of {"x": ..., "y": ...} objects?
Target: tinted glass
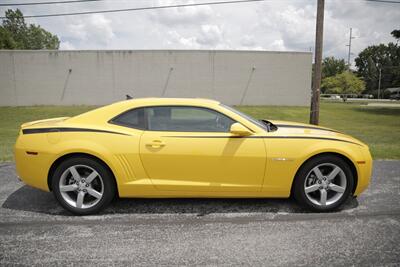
[
  {"x": 187, "y": 119},
  {"x": 133, "y": 118}
]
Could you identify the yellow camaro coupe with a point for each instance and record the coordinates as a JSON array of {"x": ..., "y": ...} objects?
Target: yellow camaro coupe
[{"x": 171, "y": 147}]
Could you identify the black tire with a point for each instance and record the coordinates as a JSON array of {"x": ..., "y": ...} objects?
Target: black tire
[
  {"x": 108, "y": 184},
  {"x": 300, "y": 180}
]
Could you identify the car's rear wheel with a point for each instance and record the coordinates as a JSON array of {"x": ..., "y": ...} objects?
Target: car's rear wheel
[
  {"x": 83, "y": 185},
  {"x": 323, "y": 183}
]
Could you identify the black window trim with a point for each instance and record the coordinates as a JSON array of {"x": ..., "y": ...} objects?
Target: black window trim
[{"x": 146, "y": 128}]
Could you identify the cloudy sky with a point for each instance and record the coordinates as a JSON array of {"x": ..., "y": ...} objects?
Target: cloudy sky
[{"x": 279, "y": 25}]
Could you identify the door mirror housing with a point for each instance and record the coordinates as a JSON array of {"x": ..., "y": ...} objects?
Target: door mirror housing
[{"x": 239, "y": 129}]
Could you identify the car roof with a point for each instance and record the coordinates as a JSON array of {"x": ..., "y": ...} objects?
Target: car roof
[
  {"x": 97, "y": 115},
  {"x": 167, "y": 101}
]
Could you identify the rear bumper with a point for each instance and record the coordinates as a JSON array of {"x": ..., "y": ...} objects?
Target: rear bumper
[{"x": 32, "y": 169}]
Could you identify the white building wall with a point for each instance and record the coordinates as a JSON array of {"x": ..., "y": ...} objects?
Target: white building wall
[{"x": 102, "y": 77}]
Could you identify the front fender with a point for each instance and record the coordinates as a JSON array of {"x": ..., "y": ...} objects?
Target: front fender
[{"x": 285, "y": 158}]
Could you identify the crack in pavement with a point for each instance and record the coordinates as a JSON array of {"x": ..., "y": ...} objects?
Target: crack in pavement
[{"x": 214, "y": 219}]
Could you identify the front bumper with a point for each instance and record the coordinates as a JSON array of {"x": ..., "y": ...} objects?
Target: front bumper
[{"x": 364, "y": 169}]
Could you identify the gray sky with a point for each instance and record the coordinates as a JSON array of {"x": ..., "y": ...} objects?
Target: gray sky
[{"x": 283, "y": 25}]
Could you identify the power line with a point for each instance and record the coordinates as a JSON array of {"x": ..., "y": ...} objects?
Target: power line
[
  {"x": 383, "y": 1},
  {"x": 138, "y": 8},
  {"x": 120, "y": 10},
  {"x": 141, "y": 8},
  {"x": 49, "y": 3},
  {"x": 82, "y": 1}
]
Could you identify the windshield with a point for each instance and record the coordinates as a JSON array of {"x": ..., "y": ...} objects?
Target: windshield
[{"x": 247, "y": 117}]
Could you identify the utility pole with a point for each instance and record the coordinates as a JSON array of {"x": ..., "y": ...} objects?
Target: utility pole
[
  {"x": 379, "y": 83},
  {"x": 349, "y": 45},
  {"x": 314, "y": 110}
]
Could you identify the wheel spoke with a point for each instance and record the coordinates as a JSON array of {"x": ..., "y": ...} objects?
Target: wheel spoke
[
  {"x": 333, "y": 173},
  {"x": 318, "y": 173},
  {"x": 79, "y": 199},
  {"x": 323, "y": 197},
  {"x": 67, "y": 188},
  {"x": 91, "y": 177},
  {"x": 336, "y": 188},
  {"x": 75, "y": 186},
  {"x": 94, "y": 193},
  {"x": 329, "y": 180},
  {"x": 312, "y": 188},
  {"x": 74, "y": 173}
]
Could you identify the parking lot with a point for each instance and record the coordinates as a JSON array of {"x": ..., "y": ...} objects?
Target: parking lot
[{"x": 35, "y": 230}]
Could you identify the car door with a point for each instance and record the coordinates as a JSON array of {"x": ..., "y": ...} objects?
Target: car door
[{"x": 190, "y": 148}]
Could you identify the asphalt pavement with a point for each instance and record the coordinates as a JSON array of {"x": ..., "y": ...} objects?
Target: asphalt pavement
[{"x": 35, "y": 230}]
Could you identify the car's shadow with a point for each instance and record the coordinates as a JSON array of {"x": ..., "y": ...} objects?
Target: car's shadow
[{"x": 33, "y": 200}]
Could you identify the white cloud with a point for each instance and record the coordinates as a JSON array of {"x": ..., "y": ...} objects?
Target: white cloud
[
  {"x": 277, "y": 45},
  {"x": 210, "y": 35},
  {"x": 248, "y": 41},
  {"x": 188, "y": 42},
  {"x": 65, "y": 45},
  {"x": 180, "y": 16},
  {"x": 95, "y": 28},
  {"x": 205, "y": 37},
  {"x": 270, "y": 25}
]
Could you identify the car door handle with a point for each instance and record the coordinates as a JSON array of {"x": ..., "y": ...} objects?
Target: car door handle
[{"x": 156, "y": 144}]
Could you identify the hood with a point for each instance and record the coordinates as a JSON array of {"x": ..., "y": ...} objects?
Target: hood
[
  {"x": 297, "y": 127},
  {"x": 303, "y": 129}
]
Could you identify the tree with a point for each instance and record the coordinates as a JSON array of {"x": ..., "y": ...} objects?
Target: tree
[
  {"x": 343, "y": 83},
  {"x": 42, "y": 39},
  {"x": 332, "y": 66},
  {"x": 396, "y": 34},
  {"x": 379, "y": 59},
  {"x": 6, "y": 40},
  {"x": 16, "y": 34}
]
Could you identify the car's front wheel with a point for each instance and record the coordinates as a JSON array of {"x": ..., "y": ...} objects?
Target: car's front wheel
[
  {"x": 83, "y": 185},
  {"x": 323, "y": 183}
]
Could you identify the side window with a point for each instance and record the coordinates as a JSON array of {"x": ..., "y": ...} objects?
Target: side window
[
  {"x": 187, "y": 119},
  {"x": 132, "y": 118}
]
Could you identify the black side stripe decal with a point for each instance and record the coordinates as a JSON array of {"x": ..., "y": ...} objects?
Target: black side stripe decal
[
  {"x": 318, "y": 138},
  {"x": 305, "y": 127},
  {"x": 268, "y": 137},
  {"x": 66, "y": 129}
]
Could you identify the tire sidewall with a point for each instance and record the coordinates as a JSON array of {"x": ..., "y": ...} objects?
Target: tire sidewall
[
  {"x": 299, "y": 190},
  {"x": 108, "y": 183}
]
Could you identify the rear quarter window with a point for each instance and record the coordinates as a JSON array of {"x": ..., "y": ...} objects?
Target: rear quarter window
[{"x": 132, "y": 118}]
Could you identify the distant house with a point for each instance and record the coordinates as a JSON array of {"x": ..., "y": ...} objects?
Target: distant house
[{"x": 394, "y": 93}]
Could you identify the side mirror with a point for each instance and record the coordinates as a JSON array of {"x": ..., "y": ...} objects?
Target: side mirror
[{"x": 239, "y": 129}]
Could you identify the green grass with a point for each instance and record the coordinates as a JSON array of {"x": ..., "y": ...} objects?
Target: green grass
[{"x": 376, "y": 126}]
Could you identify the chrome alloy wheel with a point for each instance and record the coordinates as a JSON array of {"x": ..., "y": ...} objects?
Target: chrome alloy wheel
[
  {"x": 81, "y": 186},
  {"x": 325, "y": 184}
]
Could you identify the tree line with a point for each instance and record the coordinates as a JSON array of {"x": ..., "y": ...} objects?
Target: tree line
[
  {"x": 15, "y": 33},
  {"x": 375, "y": 65}
]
